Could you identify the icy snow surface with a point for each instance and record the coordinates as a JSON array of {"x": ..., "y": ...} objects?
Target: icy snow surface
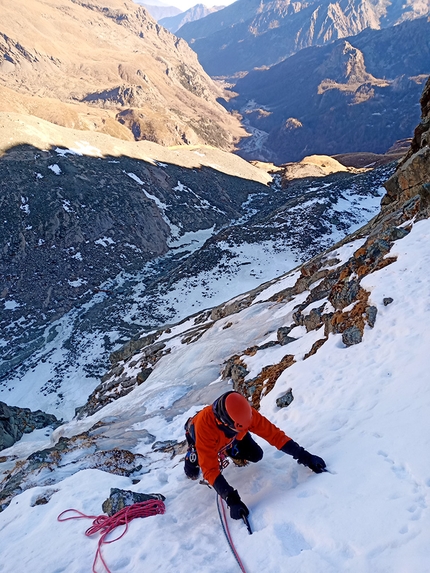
[{"x": 364, "y": 409}]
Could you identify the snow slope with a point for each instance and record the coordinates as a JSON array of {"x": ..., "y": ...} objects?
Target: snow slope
[
  {"x": 278, "y": 231},
  {"x": 364, "y": 409}
]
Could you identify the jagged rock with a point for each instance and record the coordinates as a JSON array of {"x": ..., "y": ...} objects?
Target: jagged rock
[
  {"x": 234, "y": 369},
  {"x": 171, "y": 447},
  {"x": 351, "y": 336},
  {"x": 143, "y": 375},
  {"x": 283, "y": 335},
  {"x": 117, "y": 383},
  {"x": 344, "y": 293},
  {"x": 286, "y": 399},
  {"x": 14, "y": 422},
  {"x": 395, "y": 233},
  {"x": 263, "y": 383},
  {"x": 314, "y": 319},
  {"x": 132, "y": 347},
  {"x": 120, "y": 498},
  {"x": 315, "y": 347},
  {"x": 387, "y": 300},
  {"x": 231, "y": 307},
  {"x": 371, "y": 312}
]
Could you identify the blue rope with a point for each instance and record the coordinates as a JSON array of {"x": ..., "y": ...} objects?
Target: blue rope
[{"x": 227, "y": 532}]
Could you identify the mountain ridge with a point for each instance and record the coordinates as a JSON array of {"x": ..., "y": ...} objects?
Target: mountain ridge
[
  {"x": 246, "y": 35},
  {"x": 125, "y": 75},
  {"x": 337, "y": 98}
]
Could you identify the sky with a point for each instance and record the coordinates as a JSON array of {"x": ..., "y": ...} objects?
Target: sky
[
  {"x": 186, "y": 4},
  {"x": 364, "y": 409}
]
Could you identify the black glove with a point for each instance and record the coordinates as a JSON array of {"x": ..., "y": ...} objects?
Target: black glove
[
  {"x": 315, "y": 463},
  {"x": 237, "y": 508},
  {"x": 191, "y": 465}
]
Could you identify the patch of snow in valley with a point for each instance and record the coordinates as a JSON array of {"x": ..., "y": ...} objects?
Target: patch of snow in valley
[
  {"x": 105, "y": 241},
  {"x": 55, "y": 169},
  {"x": 11, "y": 305}
]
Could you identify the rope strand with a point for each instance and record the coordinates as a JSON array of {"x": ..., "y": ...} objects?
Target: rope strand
[
  {"x": 105, "y": 524},
  {"x": 224, "y": 523}
]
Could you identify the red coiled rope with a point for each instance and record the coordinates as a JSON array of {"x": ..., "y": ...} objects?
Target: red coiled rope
[{"x": 105, "y": 524}]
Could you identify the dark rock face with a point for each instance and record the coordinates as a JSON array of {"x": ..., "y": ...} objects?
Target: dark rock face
[
  {"x": 351, "y": 336},
  {"x": 410, "y": 184},
  {"x": 14, "y": 422},
  {"x": 338, "y": 98},
  {"x": 72, "y": 222},
  {"x": 285, "y": 400}
]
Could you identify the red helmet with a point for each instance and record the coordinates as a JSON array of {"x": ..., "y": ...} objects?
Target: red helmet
[{"x": 233, "y": 410}]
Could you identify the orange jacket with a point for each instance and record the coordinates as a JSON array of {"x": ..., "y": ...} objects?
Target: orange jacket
[{"x": 210, "y": 439}]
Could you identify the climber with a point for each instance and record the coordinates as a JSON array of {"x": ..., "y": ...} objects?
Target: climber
[{"x": 223, "y": 429}]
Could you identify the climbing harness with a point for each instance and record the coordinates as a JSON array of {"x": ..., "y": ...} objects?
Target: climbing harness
[
  {"x": 223, "y": 517},
  {"x": 104, "y": 524}
]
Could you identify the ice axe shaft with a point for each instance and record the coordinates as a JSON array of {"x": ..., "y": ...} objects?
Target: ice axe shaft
[{"x": 246, "y": 522}]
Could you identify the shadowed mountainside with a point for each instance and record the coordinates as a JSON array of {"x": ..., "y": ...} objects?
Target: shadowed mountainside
[{"x": 353, "y": 95}]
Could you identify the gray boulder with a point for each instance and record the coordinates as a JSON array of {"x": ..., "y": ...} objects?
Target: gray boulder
[{"x": 14, "y": 422}]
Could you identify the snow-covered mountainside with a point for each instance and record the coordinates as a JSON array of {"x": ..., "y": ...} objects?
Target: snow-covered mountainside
[
  {"x": 347, "y": 332},
  {"x": 98, "y": 247}
]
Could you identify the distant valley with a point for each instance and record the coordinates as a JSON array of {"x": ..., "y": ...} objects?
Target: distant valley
[
  {"x": 318, "y": 77},
  {"x": 351, "y": 95}
]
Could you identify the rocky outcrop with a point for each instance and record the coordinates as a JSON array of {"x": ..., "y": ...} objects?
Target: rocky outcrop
[
  {"x": 38, "y": 467},
  {"x": 118, "y": 382},
  {"x": 15, "y": 422},
  {"x": 411, "y": 181},
  {"x": 120, "y": 498}
]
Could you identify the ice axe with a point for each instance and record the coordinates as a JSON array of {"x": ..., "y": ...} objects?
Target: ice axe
[{"x": 246, "y": 522}]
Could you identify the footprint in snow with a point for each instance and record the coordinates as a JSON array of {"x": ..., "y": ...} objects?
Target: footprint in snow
[{"x": 292, "y": 540}]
